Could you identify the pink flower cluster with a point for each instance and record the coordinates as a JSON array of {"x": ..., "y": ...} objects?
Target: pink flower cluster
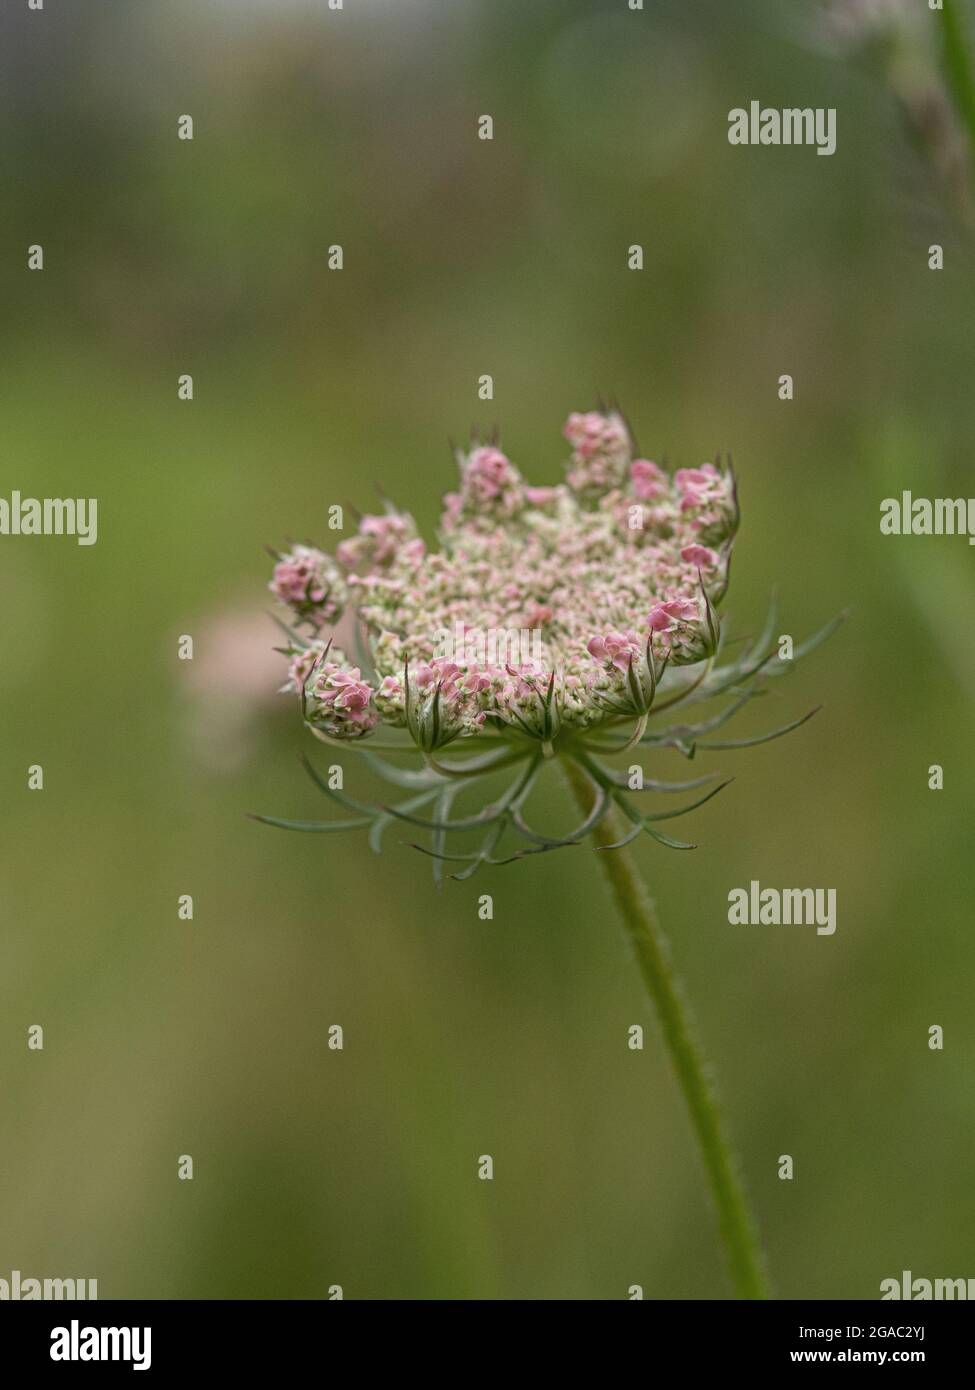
[
  {"x": 491, "y": 487},
  {"x": 617, "y": 649},
  {"x": 600, "y": 452},
  {"x": 664, "y": 617},
  {"x": 700, "y": 555},
  {"x": 302, "y": 664},
  {"x": 697, "y": 486},
  {"x": 341, "y": 701},
  {"x": 310, "y": 583},
  {"x": 707, "y": 501},
  {"x": 380, "y": 541},
  {"x": 620, "y": 649},
  {"x": 565, "y": 562},
  {"x": 456, "y": 687},
  {"x": 648, "y": 481}
]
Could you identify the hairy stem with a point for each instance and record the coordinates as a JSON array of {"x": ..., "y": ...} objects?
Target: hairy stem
[{"x": 653, "y": 956}]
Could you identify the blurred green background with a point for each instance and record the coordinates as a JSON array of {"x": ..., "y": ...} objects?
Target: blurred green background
[{"x": 464, "y": 1037}]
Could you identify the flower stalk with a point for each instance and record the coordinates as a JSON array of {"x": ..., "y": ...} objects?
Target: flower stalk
[{"x": 652, "y": 951}]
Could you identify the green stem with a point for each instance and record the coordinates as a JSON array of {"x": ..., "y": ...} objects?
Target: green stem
[
  {"x": 958, "y": 67},
  {"x": 653, "y": 955}
]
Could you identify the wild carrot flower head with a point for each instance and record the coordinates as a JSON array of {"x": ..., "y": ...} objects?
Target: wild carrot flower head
[{"x": 547, "y": 618}]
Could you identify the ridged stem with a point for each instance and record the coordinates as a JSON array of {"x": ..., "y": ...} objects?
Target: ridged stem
[{"x": 639, "y": 916}]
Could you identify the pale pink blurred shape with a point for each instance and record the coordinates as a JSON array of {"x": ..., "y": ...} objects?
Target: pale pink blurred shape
[{"x": 231, "y": 686}]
